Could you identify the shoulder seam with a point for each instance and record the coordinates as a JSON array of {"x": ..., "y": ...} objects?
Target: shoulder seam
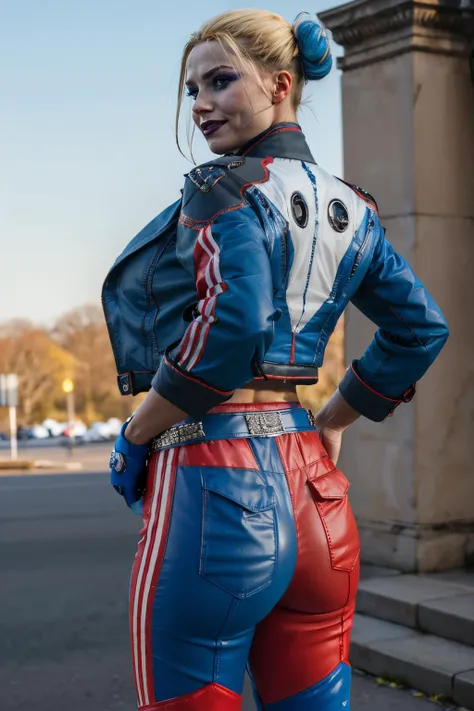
[{"x": 362, "y": 194}]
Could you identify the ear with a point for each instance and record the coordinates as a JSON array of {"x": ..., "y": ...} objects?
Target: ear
[{"x": 282, "y": 86}]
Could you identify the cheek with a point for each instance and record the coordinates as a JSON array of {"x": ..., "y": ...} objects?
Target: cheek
[{"x": 235, "y": 100}]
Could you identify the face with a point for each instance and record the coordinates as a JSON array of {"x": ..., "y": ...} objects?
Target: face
[{"x": 230, "y": 106}]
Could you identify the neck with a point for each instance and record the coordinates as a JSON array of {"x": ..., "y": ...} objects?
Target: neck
[{"x": 284, "y": 113}]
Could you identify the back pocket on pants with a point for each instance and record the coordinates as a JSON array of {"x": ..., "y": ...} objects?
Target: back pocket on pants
[
  {"x": 238, "y": 546},
  {"x": 329, "y": 488}
]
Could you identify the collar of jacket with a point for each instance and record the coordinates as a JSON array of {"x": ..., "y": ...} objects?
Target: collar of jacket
[{"x": 282, "y": 140}]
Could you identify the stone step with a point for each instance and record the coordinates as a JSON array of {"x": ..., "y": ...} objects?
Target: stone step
[
  {"x": 421, "y": 661},
  {"x": 437, "y": 606}
]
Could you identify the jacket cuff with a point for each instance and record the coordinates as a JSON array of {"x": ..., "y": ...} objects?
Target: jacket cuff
[
  {"x": 185, "y": 391},
  {"x": 368, "y": 402}
]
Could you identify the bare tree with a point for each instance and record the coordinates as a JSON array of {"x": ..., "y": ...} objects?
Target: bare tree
[
  {"x": 83, "y": 333},
  {"x": 40, "y": 363}
]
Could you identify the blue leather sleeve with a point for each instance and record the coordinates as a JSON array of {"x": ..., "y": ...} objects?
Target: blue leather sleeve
[
  {"x": 233, "y": 326},
  {"x": 412, "y": 332}
]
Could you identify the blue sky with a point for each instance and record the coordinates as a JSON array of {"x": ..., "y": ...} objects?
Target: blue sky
[{"x": 87, "y": 151}]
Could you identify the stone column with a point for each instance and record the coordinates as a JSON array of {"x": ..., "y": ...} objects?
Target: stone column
[{"x": 408, "y": 117}]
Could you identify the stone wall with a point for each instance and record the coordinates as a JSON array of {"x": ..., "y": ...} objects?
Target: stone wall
[{"x": 408, "y": 120}]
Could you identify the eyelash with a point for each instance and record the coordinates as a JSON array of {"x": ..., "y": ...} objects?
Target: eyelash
[{"x": 192, "y": 93}]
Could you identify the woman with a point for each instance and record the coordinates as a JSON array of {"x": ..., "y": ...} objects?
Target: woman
[{"x": 223, "y": 304}]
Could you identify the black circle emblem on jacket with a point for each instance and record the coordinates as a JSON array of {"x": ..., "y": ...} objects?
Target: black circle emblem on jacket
[
  {"x": 299, "y": 209},
  {"x": 338, "y": 216}
]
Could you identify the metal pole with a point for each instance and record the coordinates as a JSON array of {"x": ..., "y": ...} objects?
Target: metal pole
[
  {"x": 13, "y": 433},
  {"x": 71, "y": 417}
]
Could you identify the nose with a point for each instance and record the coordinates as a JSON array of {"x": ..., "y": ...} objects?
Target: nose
[{"x": 202, "y": 104}]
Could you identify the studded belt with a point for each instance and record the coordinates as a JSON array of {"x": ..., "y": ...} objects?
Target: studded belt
[{"x": 270, "y": 423}]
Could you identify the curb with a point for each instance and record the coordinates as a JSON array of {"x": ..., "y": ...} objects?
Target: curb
[
  {"x": 69, "y": 466},
  {"x": 21, "y": 465},
  {"x": 16, "y": 464}
]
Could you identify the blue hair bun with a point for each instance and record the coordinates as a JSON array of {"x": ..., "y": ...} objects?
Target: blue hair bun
[{"x": 313, "y": 46}]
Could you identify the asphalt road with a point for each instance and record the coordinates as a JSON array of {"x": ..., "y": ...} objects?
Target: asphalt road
[{"x": 66, "y": 547}]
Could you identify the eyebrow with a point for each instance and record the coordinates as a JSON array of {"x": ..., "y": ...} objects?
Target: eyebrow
[{"x": 208, "y": 74}]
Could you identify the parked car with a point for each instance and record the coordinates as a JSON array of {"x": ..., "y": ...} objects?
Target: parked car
[
  {"x": 77, "y": 430},
  {"x": 100, "y": 432},
  {"x": 24, "y": 433},
  {"x": 39, "y": 432},
  {"x": 115, "y": 425},
  {"x": 56, "y": 429}
]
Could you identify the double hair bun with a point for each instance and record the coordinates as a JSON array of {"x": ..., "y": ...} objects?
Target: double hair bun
[{"x": 313, "y": 45}]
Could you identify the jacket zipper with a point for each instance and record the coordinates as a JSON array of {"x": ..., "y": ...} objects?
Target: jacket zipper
[
  {"x": 284, "y": 257},
  {"x": 356, "y": 263},
  {"x": 360, "y": 252}
]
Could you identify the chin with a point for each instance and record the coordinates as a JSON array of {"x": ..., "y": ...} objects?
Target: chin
[
  {"x": 221, "y": 145},
  {"x": 220, "y": 148}
]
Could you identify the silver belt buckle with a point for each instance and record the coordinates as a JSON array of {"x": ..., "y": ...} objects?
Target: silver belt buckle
[
  {"x": 261, "y": 424},
  {"x": 179, "y": 434}
]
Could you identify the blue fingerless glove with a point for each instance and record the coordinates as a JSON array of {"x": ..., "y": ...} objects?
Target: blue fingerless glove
[{"x": 128, "y": 470}]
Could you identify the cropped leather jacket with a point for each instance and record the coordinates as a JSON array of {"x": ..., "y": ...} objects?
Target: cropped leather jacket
[{"x": 246, "y": 276}]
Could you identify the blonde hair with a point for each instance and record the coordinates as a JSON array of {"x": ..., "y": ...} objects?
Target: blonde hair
[{"x": 258, "y": 38}]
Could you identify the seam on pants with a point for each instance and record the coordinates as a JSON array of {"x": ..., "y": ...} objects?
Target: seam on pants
[
  {"x": 344, "y": 610},
  {"x": 218, "y": 642},
  {"x": 341, "y": 639},
  {"x": 292, "y": 497}
]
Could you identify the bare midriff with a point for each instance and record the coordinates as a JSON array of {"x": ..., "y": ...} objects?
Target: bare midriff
[{"x": 259, "y": 391}]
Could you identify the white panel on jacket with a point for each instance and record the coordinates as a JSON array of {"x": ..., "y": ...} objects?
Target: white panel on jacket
[{"x": 318, "y": 248}]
